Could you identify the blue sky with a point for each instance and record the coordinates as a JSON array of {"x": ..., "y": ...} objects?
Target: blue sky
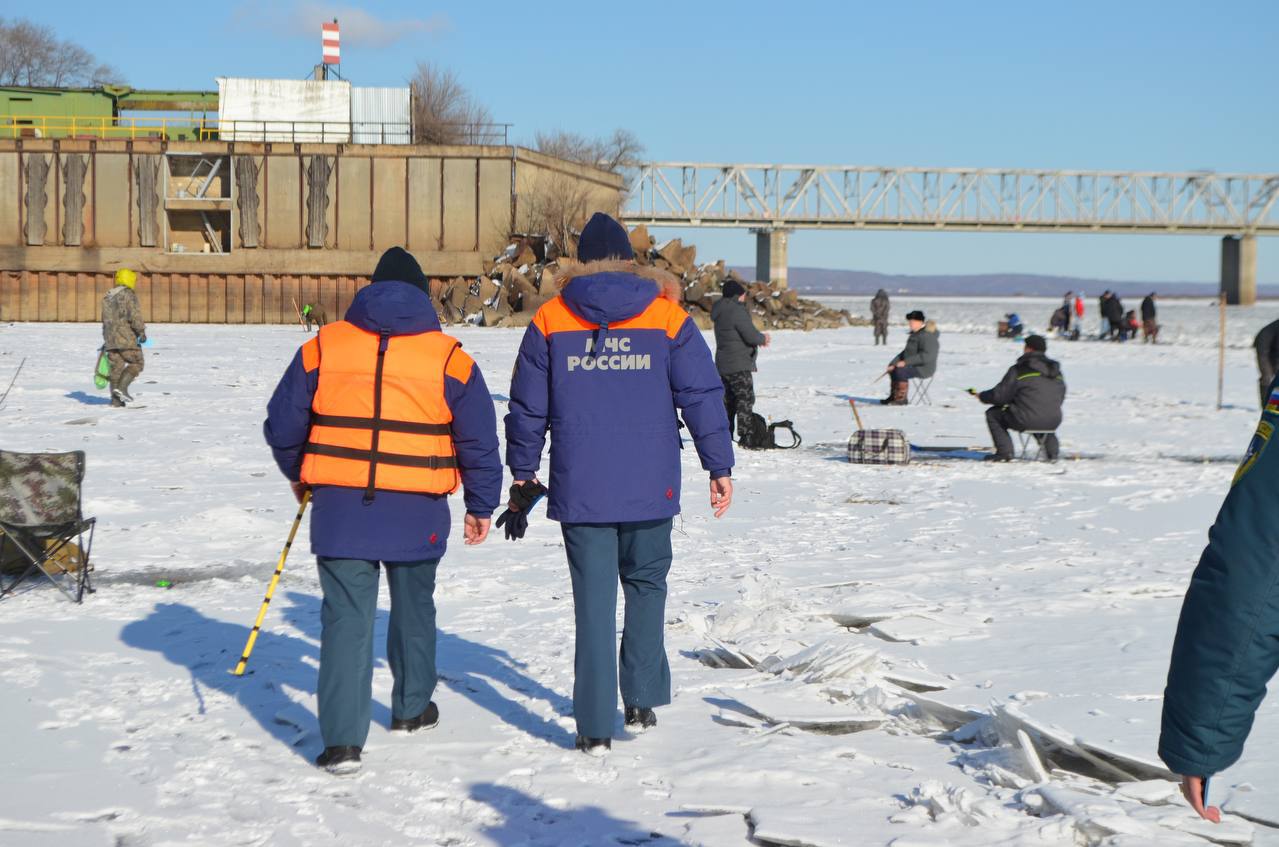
[{"x": 1149, "y": 85}]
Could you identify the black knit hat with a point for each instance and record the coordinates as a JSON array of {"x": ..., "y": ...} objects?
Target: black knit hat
[
  {"x": 603, "y": 238},
  {"x": 1037, "y": 343},
  {"x": 733, "y": 289},
  {"x": 398, "y": 264}
]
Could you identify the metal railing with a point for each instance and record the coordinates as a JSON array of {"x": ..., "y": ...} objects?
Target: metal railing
[
  {"x": 204, "y": 128},
  {"x": 815, "y": 196}
]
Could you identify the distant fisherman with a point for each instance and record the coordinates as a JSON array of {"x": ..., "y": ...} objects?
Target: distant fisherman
[
  {"x": 605, "y": 366},
  {"x": 123, "y": 334},
  {"x": 879, "y": 309},
  {"x": 737, "y": 343},
  {"x": 918, "y": 360},
  {"x": 1029, "y": 397}
]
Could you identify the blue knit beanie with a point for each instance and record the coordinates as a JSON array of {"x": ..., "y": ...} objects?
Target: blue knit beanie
[{"x": 603, "y": 238}]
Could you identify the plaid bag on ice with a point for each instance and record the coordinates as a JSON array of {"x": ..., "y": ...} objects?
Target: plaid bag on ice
[{"x": 879, "y": 447}]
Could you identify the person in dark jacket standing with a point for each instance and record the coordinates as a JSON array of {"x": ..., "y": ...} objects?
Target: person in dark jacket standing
[
  {"x": 1029, "y": 397},
  {"x": 1267, "y": 346},
  {"x": 879, "y": 309},
  {"x": 918, "y": 360},
  {"x": 737, "y": 344},
  {"x": 1112, "y": 309},
  {"x": 1227, "y": 644},
  {"x": 605, "y": 365},
  {"x": 1149, "y": 324},
  {"x": 382, "y": 416}
]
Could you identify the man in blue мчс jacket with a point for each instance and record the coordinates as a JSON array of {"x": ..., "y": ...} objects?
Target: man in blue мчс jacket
[
  {"x": 1227, "y": 643},
  {"x": 605, "y": 366},
  {"x": 385, "y": 377}
]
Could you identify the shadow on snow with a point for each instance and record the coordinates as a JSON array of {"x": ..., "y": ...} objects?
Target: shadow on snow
[{"x": 209, "y": 648}]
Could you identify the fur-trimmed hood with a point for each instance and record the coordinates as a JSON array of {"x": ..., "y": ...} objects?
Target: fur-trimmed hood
[{"x": 611, "y": 291}]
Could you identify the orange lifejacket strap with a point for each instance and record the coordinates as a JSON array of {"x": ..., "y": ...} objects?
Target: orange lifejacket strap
[
  {"x": 387, "y": 425},
  {"x": 429, "y": 462}
]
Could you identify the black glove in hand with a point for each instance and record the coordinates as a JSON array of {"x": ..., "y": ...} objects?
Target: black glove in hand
[{"x": 523, "y": 498}]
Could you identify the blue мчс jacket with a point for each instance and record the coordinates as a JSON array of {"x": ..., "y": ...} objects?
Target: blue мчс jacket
[
  {"x": 397, "y": 526},
  {"x": 605, "y": 366},
  {"x": 1227, "y": 643}
]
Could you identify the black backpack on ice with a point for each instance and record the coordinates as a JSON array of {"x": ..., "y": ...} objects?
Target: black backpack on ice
[{"x": 763, "y": 435}]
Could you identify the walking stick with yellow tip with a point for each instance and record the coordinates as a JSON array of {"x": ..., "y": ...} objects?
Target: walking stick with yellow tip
[{"x": 270, "y": 589}]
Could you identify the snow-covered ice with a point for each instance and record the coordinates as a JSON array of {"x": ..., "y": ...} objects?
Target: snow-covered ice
[{"x": 943, "y": 653}]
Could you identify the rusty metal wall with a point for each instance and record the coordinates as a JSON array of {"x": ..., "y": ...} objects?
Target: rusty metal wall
[{"x": 177, "y": 298}]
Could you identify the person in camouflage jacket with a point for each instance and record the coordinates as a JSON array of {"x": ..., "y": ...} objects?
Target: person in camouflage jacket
[{"x": 123, "y": 333}]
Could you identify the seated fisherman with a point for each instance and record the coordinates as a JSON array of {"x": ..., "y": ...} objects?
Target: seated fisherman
[
  {"x": 1014, "y": 324},
  {"x": 917, "y": 361},
  {"x": 1029, "y": 397}
]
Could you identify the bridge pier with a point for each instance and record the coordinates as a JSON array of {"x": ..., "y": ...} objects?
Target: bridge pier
[
  {"x": 1239, "y": 269},
  {"x": 770, "y": 254}
]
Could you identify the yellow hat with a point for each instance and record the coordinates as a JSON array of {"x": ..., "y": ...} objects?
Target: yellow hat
[{"x": 126, "y": 277}]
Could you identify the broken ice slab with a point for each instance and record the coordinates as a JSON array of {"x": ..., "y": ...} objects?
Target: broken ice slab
[
  {"x": 798, "y": 707},
  {"x": 1108, "y": 732},
  {"x": 943, "y": 713},
  {"x": 1099, "y": 817},
  {"x": 715, "y": 830},
  {"x": 853, "y": 822},
  {"x": 1152, "y": 792},
  {"x": 867, "y": 607},
  {"x": 915, "y": 679},
  {"x": 833, "y": 658},
  {"x": 924, "y": 628}
]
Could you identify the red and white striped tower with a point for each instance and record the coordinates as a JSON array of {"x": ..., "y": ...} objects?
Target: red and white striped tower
[{"x": 332, "y": 51}]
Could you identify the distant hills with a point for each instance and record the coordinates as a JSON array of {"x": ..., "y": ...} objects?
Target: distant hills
[{"x": 827, "y": 281}]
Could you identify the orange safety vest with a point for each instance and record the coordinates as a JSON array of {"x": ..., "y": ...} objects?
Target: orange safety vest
[{"x": 379, "y": 420}]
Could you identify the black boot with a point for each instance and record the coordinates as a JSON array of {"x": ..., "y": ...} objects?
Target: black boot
[
  {"x": 339, "y": 760},
  {"x": 1052, "y": 448},
  {"x": 594, "y": 746},
  {"x": 640, "y": 719},
  {"x": 427, "y": 720}
]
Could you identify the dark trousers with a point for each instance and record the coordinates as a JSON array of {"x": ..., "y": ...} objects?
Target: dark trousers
[
  {"x": 881, "y": 332},
  {"x": 739, "y": 402},
  {"x": 1000, "y": 420},
  {"x": 598, "y": 554},
  {"x": 905, "y": 374},
  {"x": 345, "y": 689}
]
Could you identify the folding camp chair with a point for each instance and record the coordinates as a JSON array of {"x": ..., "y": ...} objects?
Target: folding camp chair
[
  {"x": 919, "y": 391},
  {"x": 1035, "y": 437},
  {"x": 43, "y": 531}
]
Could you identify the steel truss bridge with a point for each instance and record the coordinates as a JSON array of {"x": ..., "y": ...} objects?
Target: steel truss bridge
[
  {"x": 844, "y": 197},
  {"x": 774, "y": 199}
]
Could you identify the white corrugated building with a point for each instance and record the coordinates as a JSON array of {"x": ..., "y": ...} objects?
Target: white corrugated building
[
  {"x": 381, "y": 116},
  {"x": 284, "y": 110}
]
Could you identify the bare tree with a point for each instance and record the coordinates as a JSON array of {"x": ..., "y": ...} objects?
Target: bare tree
[
  {"x": 614, "y": 153},
  {"x": 557, "y": 208},
  {"x": 31, "y": 54},
  {"x": 444, "y": 112}
]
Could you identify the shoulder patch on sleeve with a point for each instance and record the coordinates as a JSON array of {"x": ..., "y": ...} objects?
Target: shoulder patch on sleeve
[
  {"x": 676, "y": 319},
  {"x": 555, "y": 316},
  {"x": 311, "y": 354},
  {"x": 459, "y": 366}
]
